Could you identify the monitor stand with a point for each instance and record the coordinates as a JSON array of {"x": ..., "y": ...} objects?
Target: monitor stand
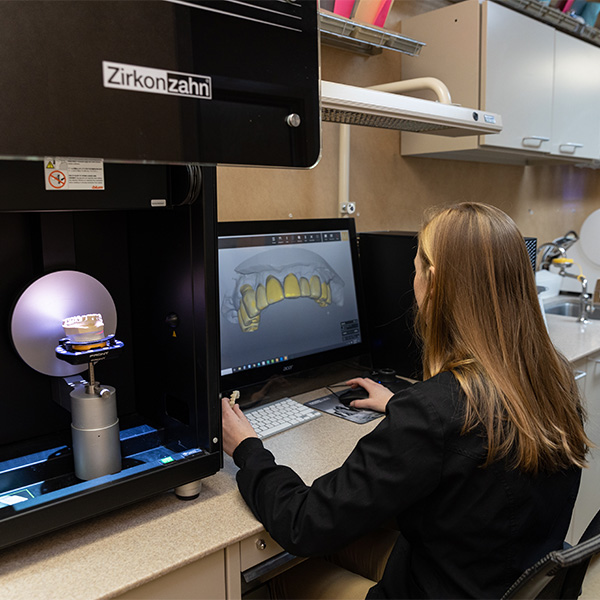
[{"x": 282, "y": 386}]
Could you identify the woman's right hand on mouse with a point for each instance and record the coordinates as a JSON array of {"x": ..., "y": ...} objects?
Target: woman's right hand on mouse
[{"x": 378, "y": 398}]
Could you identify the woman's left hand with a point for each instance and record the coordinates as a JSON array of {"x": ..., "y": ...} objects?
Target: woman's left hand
[{"x": 236, "y": 427}]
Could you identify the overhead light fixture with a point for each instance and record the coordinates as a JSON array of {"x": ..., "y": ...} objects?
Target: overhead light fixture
[{"x": 384, "y": 106}]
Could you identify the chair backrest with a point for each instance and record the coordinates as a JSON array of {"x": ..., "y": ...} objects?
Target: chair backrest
[
  {"x": 593, "y": 529},
  {"x": 560, "y": 573}
]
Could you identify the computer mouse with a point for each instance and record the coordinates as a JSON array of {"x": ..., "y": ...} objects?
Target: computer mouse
[{"x": 357, "y": 393}]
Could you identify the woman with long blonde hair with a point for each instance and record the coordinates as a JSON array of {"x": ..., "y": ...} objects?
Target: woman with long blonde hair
[
  {"x": 480, "y": 320},
  {"x": 479, "y": 464}
]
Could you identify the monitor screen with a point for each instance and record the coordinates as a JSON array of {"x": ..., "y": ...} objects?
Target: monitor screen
[{"x": 289, "y": 297}]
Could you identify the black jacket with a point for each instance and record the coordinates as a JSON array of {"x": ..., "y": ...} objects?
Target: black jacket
[{"x": 467, "y": 531}]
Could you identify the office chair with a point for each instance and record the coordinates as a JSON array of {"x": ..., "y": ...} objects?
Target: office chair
[{"x": 560, "y": 573}]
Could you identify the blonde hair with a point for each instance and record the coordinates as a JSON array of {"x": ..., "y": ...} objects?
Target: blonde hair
[{"x": 481, "y": 320}]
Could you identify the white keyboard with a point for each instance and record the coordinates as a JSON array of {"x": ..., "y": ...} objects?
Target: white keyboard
[{"x": 278, "y": 416}]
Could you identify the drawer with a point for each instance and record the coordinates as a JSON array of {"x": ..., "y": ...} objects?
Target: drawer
[{"x": 256, "y": 549}]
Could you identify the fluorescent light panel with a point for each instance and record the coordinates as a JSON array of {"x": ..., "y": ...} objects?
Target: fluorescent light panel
[{"x": 354, "y": 105}]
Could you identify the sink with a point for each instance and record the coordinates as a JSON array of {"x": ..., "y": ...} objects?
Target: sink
[
  {"x": 566, "y": 309},
  {"x": 570, "y": 308}
]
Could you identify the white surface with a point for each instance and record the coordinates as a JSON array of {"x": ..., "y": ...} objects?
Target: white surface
[
  {"x": 576, "y": 129},
  {"x": 573, "y": 339},
  {"x": 589, "y": 238},
  {"x": 588, "y": 499},
  {"x": 517, "y": 77},
  {"x": 551, "y": 281}
]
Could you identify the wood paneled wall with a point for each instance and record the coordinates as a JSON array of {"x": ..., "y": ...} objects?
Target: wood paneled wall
[{"x": 390, "y": 191}]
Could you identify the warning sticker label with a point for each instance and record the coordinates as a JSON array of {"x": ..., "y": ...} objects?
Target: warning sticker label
[{"x": 73, "y": 173}]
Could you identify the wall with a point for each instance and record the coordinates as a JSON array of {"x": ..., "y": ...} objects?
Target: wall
[{"x": 391, "y": 191}]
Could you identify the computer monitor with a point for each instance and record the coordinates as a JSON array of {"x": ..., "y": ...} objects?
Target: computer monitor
[{"x": 289, "y": 298}]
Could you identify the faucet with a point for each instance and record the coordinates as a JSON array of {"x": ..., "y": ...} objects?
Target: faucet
[
  {"x": 551, "y": 251},
  {"x": 556, "y": 253},
  {"x": 585, "y": 299}
]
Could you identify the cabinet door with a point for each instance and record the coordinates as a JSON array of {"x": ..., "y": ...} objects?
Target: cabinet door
[
  {"x": 203, "y": 579},
  {"x": 576, "y": 118},
  {"x": 517, "y": 78},
  {"x": 588, "y": 499}
]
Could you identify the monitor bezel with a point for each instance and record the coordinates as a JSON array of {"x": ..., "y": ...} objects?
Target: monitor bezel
[{"x": 304, "y": 364}]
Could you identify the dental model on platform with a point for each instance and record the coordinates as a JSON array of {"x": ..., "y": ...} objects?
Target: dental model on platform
[{"x": 86, "y": 330}]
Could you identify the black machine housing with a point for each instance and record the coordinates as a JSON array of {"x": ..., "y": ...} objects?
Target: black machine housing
[
  {"x": 159, "y": 93},
  {"x": 202, "y": 81},
  {"x": 159, "y": 267}
]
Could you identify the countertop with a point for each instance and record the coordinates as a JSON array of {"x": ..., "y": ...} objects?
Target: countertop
[
  {"x": 110, "y": 554},
  {"x": 574, "y": 340}
]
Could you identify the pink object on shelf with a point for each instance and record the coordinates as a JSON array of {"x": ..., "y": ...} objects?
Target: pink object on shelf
[
  {"x": 383, "y": 12},
  {"x": 343, "y": 8},
  {"x": 567, "y": 7}
]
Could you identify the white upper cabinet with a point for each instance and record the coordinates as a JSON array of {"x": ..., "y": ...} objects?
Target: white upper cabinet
[
  {"x": 516, "y": 77},
  {"x": 545, "y": 84},
  {"x": 576, "y": 114}
]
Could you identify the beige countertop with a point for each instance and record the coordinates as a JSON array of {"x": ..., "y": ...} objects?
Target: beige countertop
[{"x": 110, "y": 554}]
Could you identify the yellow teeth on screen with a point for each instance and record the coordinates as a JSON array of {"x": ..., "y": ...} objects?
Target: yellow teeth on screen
[
  {"x": 325, "y": 297},
  {"x": 315, "y": 287},
  {"x": 261, "y": 297},
  {"x": 274, "y": 275},
  {"x": 274, "y": 290},
  {"x": 249, "y": 300},
  {"x": 304, "y": 287},
  {"x": 247, "y": 323},
  {"x": 253, "y": 302},
  {"x": 291, "y": 287}
]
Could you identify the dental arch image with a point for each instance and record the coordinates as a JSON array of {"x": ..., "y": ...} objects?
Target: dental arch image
[{"x": 277, "y": 275}]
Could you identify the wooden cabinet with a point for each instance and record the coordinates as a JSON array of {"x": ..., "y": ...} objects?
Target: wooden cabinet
[
  {"x": 544, "y": 83},
  {"x": 588, "y": 499}
]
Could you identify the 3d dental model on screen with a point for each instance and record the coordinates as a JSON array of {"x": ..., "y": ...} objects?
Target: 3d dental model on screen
[{"x": 274, "y": 275}]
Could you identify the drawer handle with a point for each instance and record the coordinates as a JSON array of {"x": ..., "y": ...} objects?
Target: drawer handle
[
  {"x": 569, "y": 147},
  {"x": 580, "y": 375},
  {"x": 261, "y": 544},
  {"x": 534, "y": 141}
]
